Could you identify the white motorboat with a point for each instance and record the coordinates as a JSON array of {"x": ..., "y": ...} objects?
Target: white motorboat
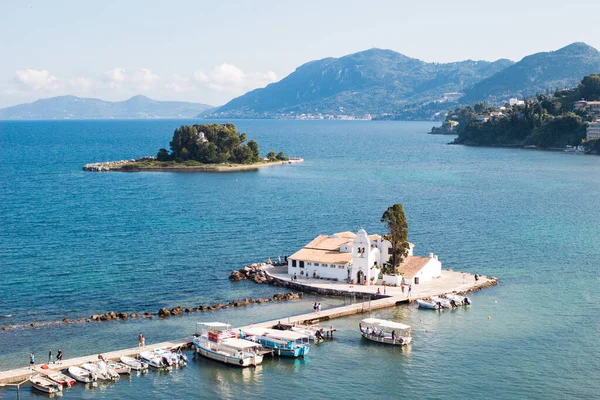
[
  {"x": 44, "y": 384},
  {"x": 177, "y": 359},
  {"x": 218, "y": 342},
  {"x": 134, "y": 364},
  {"x": 446, "y": 303},
  {"x": 459, "y": 299},
  {"x": 82, "y": 375},
  {"x": 432, "y": 305},
  {"x": 384, "y": 331},
  {"x": 93, "y": 368},
  {"x": 60, "y": 378},
  {"x": 154, "y": 360},
  {"x": 109, "y": 371},
  {"x": 120, "y": 368}
]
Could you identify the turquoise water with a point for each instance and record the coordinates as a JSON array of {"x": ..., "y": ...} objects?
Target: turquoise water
[{"x": 75, "y": 243}]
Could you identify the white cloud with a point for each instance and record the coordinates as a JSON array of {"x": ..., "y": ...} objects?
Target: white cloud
[
  {"x": 144, "y": 79},
  {"x": 229, "y": 78},
  {"x": 115, "y": 77},
  {"x": 80, "y": 83},
  {"x": 37, "y": 79},
  {"x": 180, "y": 84}
]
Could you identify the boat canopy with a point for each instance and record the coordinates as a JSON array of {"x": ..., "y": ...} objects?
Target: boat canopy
[
  {"x": 385, "y": 323},
  {"x": 239, "y": 344},
  {"x": 214, "y": 324},
  {"x": 275, "y": 333}
]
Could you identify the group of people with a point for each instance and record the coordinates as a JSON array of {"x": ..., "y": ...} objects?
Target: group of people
[
  {"x": 59, "y": 357},
  {"x": 317, "y": 307}
]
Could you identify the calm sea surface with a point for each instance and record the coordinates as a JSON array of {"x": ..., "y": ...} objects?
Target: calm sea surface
[{"x": 74, "y": 243}]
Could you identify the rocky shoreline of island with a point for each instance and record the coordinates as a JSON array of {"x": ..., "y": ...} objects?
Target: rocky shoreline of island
[{"x": 149, "y": 164}]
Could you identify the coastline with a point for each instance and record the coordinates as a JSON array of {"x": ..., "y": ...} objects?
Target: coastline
[{"x": 138, "y": 166}]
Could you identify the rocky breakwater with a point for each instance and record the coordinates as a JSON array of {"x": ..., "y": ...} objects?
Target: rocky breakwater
[
  {"x": 253, "y": 272},
  {"x": 114, "y": 165}
]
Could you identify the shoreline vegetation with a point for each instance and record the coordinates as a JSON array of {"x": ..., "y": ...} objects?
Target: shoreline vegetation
[
  {"x": 556, "y": 122},
  {"x": 201, "y": 148}
]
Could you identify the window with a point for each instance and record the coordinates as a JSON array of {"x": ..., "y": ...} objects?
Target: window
[
  {"x": 316, "y": 264},
  {"x": 389, "y": 250},
  {"x": 308, "y": 263},
  {"x": 294, "y": 263},
  {"x": 332, "y": 266},
  {"x": 340, "y": 266}
]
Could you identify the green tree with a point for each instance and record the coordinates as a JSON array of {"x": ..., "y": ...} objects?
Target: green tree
[
  {"x": 280, "y": 156},
  {"x": 589, "y": 88},
  {"x": 271, "y": 156},
  {"x": 162, "y": 155},
  {"x": 395, "y": 220},
  {"x": 253, "y": 146}
]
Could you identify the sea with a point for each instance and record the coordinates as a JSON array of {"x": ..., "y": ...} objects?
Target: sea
[{"x": 75, "y": 243}]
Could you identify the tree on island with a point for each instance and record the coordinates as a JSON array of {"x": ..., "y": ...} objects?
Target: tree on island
[
  {"x": 395, "y": 220},
  {"x": 211, "y": 144}
]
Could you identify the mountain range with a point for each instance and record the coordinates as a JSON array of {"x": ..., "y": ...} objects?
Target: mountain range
[
  {"x": 72, "y": 107},
  {"x": 384, "y": 83}
]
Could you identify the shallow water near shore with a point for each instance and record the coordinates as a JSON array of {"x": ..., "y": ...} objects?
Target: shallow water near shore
[{"x": 74, "y": 243}]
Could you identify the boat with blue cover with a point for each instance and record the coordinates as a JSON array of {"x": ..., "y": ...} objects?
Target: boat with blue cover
[{"x": 283, "y": 342}]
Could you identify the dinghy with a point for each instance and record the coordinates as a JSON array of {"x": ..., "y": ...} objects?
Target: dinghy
[
  {"x": 81, "y": 374},
  {"x": 44, "y": 385},
  {"x": 134, "y": 364},
  {"x": 446, "y": 303},
  {"x": 154, "y": 360},
  {"x": 283, "y": 343},
  {"x": 108, "y": 371},
  {"x": 432, "y": 305},
  {"x": 119, "y": 368},
  {"x": 60, "y": 378},
  {"x": 459, "y": 299},
  {"x": 93, "y": 368}
]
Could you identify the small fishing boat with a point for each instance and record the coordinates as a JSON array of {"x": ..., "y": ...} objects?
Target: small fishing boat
[
  {"x": 283, "y": 343},
  {"x": 45, "y": 385},
  {"x": 60, "y": 378},
  {"x": 119, "y": 368},
  {"x": 154, "y": 360},
  {"x": 218, "y": 342},
  {"x": 446, "y": 303},
  {"x": 109, "y": 371},
  {"x": 384, "y": 331},
  {"x": 82, "y": 375},
  {"x": 432, "y": 305},
  {"x": 134, "y": 364},
  {"x": 176, "y": 358}
]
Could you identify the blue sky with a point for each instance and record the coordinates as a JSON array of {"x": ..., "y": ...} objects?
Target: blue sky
[{"x": 212, "y": 51}]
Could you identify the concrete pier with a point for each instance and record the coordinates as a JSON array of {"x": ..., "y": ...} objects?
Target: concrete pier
[{"x": 451, "y": 281}]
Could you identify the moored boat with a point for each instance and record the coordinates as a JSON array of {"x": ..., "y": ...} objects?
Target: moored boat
[
  {"x": 60, "y": 378},
  {"x": 446, "y": 303},
  {"x": 218, "y": 342},
  {"x": 384, "y": 331},
  {"x": 428, "y": 304},
  {"x": 44, "y": 384},
  {"x": 283, "y": 343},
  {"x": 459, "y": 299},
  {"x": 81, "y": 374},
  {"x": 93, "y": 368},
  {"x": 134, "y": 364},
  {"x": 119, "y": 368},
  {"x": 154, "y": 360}
]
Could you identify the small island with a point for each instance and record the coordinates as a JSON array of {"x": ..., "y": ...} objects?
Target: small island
[{"x": 201, "y": 148}]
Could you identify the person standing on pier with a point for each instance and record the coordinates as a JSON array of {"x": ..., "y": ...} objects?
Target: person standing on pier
[
  {"x": 402, "y": 287},
  {"x": 50, "y": 356},
  {"x": 319, "y": 308},
  {"x": 31, "y": 360},
  {"x": 59, "y": 356},
  {"x": 141, "y": 340},
  {"x": 409, "y": 290}
]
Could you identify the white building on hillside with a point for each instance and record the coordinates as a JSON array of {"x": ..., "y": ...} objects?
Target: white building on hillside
[{"x": 357, "y": 258}]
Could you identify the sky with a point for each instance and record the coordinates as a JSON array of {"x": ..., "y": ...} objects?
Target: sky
[{"x": 212, "y": 51}]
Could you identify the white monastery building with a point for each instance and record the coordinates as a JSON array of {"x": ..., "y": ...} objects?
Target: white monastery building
[{"x": 357, "y": 258}]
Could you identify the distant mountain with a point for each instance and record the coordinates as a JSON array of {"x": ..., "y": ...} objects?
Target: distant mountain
[
  {"x": 72, "y": 107},
  {"x": 537, "y": 73},
  {"x": 374, "y": 81}
]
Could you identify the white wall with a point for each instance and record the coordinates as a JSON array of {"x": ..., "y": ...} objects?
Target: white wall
[
  {"x": 431, "y": 270},
  {"x": 325, "y": 270}
]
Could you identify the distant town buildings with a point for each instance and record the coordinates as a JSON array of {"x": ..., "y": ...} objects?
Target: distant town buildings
[
  {"x": 593, "y": 107},
  {"x": 513, "y": 101},
  {"x": 593, "y": 131}
]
